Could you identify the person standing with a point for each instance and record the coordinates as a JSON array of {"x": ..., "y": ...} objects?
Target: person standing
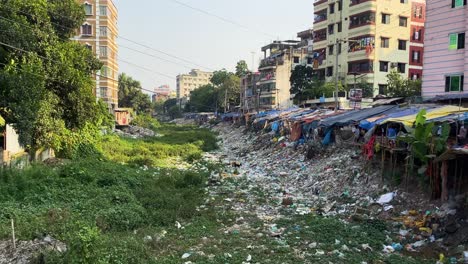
[{"x": 462, "y": 135}]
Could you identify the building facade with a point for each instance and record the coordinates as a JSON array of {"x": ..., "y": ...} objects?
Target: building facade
[
  {"x": 189, "y": 82},
  {"x": 162, "y": 93},
  {"x": 369, "y": 39},
  {"x": 99, "y": 33},
  {"x": 280, "y": 58},
  {"x": 445, "y": 55},
  {"x": 249, "y": 92}
]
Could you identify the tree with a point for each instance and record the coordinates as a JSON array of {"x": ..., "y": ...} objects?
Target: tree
[
  {"x": 301, "y": 80},
  {"x": 131, "y": 95},
  {"x": 46, "y": 91},
  {"x": 227, "y": 88},
  {"x": 241, "y": 68},
  {"x": 402, "y": 87},
  {"x": 203, "y": 99},
  {"x": 170, "y": 103}
]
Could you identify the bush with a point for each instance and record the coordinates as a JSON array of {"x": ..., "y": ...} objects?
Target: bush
[{"x": 146, "y": 121}]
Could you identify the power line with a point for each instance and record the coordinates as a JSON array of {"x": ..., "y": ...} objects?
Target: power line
[
  {"x": 154, "y": 56},
  {"x": 120, "y": 37},
  {"x": 146, "y": 69},
  {"x": 229, "y": 21}
]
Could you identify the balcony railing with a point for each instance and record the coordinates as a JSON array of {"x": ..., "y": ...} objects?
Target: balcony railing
[
  {"x": 271, "y": 62},
  {"x": 320, "y": 17}
]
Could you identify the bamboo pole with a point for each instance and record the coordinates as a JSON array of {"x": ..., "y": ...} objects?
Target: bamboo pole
[{"x": 13, "y": 233}]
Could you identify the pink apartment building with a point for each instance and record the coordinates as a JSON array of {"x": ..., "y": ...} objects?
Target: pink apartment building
[{"x": 445, "y": 56}]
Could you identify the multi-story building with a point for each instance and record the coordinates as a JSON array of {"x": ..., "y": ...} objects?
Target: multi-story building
[
  {"x": 249, "y": 92},
  {"x": 162, "y": 93},
  {"x": 445, "y": 54},
  {"x": 369, "y": 39},
  {"x": 280, "y": 58},
  {"x": 189, "y": 82},
  {"x": 99, "y": 33}
]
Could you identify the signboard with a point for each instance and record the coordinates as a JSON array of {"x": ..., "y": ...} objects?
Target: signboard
[{"x": 355, "y": 98}]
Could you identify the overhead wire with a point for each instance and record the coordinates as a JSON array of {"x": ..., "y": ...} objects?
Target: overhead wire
[
  {"x": 226, "y": 20},
  {"x": 126, "y": 39}
]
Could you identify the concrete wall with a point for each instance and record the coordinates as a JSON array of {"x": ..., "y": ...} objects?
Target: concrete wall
[
  {"x": 439, "y": 61},
  {"x": 12, "y": 141}
]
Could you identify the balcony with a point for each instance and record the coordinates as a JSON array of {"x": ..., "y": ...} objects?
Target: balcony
[
  {"x": 270, "y": 63},
  {"x": 319, "y": 2},
  {"x": 320, "y": 17},
  {"x": 363, "y": 19},
  {"x": 320, "y": 35},
  {"x": 357, "y": 2}
]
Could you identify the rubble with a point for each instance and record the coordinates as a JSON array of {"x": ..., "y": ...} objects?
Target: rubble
[
  {"x": 136, "y": 132},
  {"x": 28, "y": 251},
  {"x": 335, "y": 182}
]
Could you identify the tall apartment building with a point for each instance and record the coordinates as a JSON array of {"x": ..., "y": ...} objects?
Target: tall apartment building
[
  {"x": 280, "y": 58},
  {"x": 99, "y": 33},
  {"x": 191, "y": 81},
  {"x": 369, "y": 37},
  {"x": 249, "y": 93},
  {"x": 445, "y": 55}
]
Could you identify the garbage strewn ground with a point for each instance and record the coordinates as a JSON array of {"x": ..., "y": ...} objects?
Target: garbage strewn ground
[{"x": 275, "y": 193}]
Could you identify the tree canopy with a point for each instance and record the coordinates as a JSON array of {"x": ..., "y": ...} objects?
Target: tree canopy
[
  {"x": 131, "y": 95},
  {"x": 203, "y": 99},
  {"x": 241, "y": 68},
  {"x": 46, "y": 85},
  {"x": 398, "y": 86}
]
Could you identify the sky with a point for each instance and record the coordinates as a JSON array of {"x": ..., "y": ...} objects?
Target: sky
[{"x": 201, "y": 41}]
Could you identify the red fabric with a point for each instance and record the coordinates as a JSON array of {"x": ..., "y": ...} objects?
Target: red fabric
[{"x": 368, "y": 149}]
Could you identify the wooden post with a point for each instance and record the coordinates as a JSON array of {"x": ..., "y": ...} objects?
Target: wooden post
[{"x": 13, "y": 233}]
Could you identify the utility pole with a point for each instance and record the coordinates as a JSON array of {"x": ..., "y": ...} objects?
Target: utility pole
[
  {"x": 225, "y": 100},
  {"x": 337, "y": 105}
]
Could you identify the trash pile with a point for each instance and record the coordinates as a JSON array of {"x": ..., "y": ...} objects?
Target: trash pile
[
  {"x": 28, "y": 251},
  {"x": 338, "y": 182},
  {"x": 135, "y": 132}
]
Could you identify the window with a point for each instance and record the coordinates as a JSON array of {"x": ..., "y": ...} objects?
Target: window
[
  {"x": 339, "y": 48},
  {"x": 415, "y": 76},
  {"x": 454, "y": 83},
  {"x": 103, "y": 10},
  {"x": 418, "y": 12},
  {"x": 401, "y": 44},
  {"x": 417, "y": 34},
  {"x": 384, "y": 66},
  {"x": 382, "y": 88},
  {"x": 330, "y": 50},
  {"x": 103, "y": 31},
  {"x": 415, "y": 56},
  {"x": 363, "y": 43},
  {"x": 332, "y": 8},
  {"x": 104, "y": 92},
  {"x": 401, "y": 68},
  {"x": 384, "y": 42},
  {"x": 104, "y": 71},
  {"x": 310, "y": 60},
  {"x": 330, "y": 71},
  {"x": 385, "y": 19},
  {"x": 361, "y": 66},
  {"x": 88, "y": 9},
  {"x": 403, "y": 1},
  {"x": 330, "y": 29},
  {"x": 458, "y": 3},
  {"x": 296, "y": 59},
  {"x": 103, "y": 51},
  {"x": 362, "y": 19},
  {"x": 403, "y": 21},
  {"x": 340, "y": 5},
  {"x": 339, "y": 26},
  {"x": 87, "y": 30},
  {"x": 457, "y": 41}
]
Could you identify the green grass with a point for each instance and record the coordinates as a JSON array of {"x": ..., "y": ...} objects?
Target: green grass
[{"x": 185, "y": 142}]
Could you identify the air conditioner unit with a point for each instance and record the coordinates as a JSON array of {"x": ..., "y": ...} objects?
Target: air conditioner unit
[{"x": 393, "y": 65}]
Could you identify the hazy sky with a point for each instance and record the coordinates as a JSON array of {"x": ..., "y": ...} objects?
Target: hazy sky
[{"x": 169, "y": 27}]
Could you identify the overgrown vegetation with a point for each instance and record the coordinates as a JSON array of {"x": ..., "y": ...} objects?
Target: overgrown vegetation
[
  {"x": 186, "y": 142},
  {"x": 46, "y": 90},
  {"x": 95, "y": 206}
]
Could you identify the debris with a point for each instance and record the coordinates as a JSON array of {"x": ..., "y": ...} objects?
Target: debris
[
  {"x": 386, "y": 198},
  {"x": 186, "y": 255}
]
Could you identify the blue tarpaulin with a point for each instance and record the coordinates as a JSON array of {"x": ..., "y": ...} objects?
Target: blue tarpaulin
[{"x": 355, "y": 116}]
